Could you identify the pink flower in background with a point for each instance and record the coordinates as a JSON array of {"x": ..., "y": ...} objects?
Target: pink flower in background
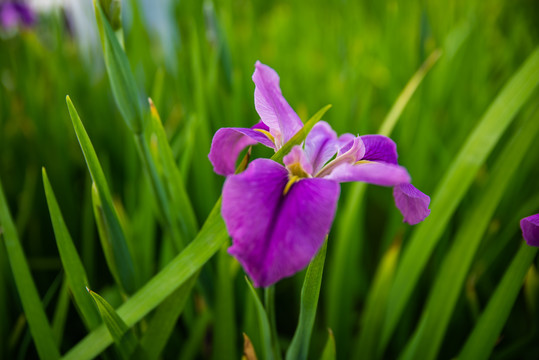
[
  {"x": 13, "y": 14},
  {"x": 278, "y": 216},
  {"x": 530, "y": 229}
]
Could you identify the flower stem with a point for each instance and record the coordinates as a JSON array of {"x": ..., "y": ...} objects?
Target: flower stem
[{"x": 269, "y": 303}]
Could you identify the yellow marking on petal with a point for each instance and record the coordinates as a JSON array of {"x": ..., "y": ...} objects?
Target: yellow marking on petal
[
  {"x": 293, "y": 179},
  {"x": 267, "y": 134},
  {"x": 363, "y": 162}
]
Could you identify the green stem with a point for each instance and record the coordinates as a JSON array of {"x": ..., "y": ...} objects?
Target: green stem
[{"x": 269, "y": 303}]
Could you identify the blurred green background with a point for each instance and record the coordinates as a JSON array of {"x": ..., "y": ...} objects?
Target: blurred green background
[{"x": 195, "y": 60}]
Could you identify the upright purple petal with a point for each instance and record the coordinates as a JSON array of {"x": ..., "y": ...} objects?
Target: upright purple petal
[
  {"x": 274, "y": 111},
  {"x": 412, "y": 203},
  {"x": 320, "y": 145},
  {"x": 227, "y": 143},
  {"x": 379, "y": 148},
  {"x": 530, "y": 229},
  {"x": 377, "y": 173},
  {"x": 276, "y": 235}
]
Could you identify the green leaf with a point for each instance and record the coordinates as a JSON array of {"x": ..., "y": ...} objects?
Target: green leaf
[
  {"x": 483, "y": 337},
  {"x": 31, "y": 303},
  {"x": 74, "y": 270},
  {"x": 374, "y": 311},
  {"x": 122, "y": 263},
  {"x": 299, "y": 348},
  {"x": 263, "y": 324},
  {"x": 60, "y": 313},
  {"x": 339, "y": 293},
  {"x": 329, "y": 352},
  {"x": 450, "y": 280},
  {"x": 454, "y": 185},
  {"x": 300, "y": 135},
  {"x": 165, "y": 318},
  {"x": 124, "y": 338},
  {"x": 210, "y": 239},
  {"x": 122, "y": 82}
]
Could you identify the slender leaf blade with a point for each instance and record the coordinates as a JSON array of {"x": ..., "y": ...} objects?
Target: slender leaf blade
[
  {"x": 29, "y": 296},
  {"x": 299, "y": 348},
  {"x": 483, "y": 337},
  {"x": 74, "y": 270},
  {"x": 263, "y": 323},
  {"x": 329, "y": 352},
  {"x": 455, "y": 183}
]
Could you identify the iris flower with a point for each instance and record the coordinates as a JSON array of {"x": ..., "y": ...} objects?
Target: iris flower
[
  {"x": 14, "y": 13},
  {"x": 530, "y": 229},
  {"x": 279, "y": 216}
]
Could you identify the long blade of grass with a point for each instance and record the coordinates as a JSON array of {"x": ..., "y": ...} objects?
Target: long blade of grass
[
  {"x": 374, "y": 312},
  {"x": 299, "y": 348},
  {"x": 454, "y": 185},
  {"x": 339, "y": 296},
  {"x": 165, "y": 318},
  {"x": 121, "y": 78},
  {"x": 123, "y": 261},
  {"x": 263, "y": 323},
  {"x": 31, "y": 303},
  {"x": 124, "y": 338},
  {"x": 450, "y": 281},
  {"x": 483, "y": 337},
  {"x": 74, "y": 270},
  {"x": 60, "y": 312}
]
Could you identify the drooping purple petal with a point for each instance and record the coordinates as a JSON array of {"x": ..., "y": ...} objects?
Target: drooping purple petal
[
  {"x": 276, "y": 235},
  {"x": 274, "y": 111},
  {"x": 297, "y": 163},
  {"x": 320, "y": 145},
  {"x": 377, "y": 173},
  {"x": 227, "y": 143},
  {"x": 379, "y": 148},
  {"x": 412, "y": 203},
  {"x": 530, "y": 229}
]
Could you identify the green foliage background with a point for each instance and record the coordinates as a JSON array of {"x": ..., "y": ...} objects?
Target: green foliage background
[{"x": 467, "y": 136}]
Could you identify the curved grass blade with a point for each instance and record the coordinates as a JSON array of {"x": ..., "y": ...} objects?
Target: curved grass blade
[
  {"x": 374, "y": 312},
  {"x": 124, "y": 338},
  {"x": 329, "y": 352},
  {"x": 263, "y": 323},
  {"x": 123, "y": 261},
  {"x": 31, "y": 303},
  {"x": 453, "y": 186},
  {"x": 300, "y": 135},
  {"x": 121, "y": 78},
  {"x": 74, "y": 270},
  {"x": 339, "y": 298},
  {"x": 165, "y": 318},
  {"x": 450, "y": 280},
  {"x": 483, "y": 337},
  {"x": 299, "y": 348}
]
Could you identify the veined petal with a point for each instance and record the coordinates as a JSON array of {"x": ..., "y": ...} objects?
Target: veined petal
[
  {"x": 297, "y": 163},
  {"x": 320, "y": 145},
  {"x": 412, "y": 203},
  {"x": 274, "y": 111},
  {"x": 227, "y": 143},
  {"x": 377, "y": 173},
  {"x": 530, "y": 229},
  {"x": 348, "y": 154},
  {"x": 379, "y": 148},
  {"x": 276, "y": 235}
]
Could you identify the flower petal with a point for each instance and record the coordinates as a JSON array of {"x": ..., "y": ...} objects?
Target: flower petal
[
  {"x": 227, "y": 143},
  {"x": 276, "y": 235},
  {"x": 412, "y": 203},
  {"x": 379, "y": 148},
  {"x": 320, "y": 145},
  {"x": 274, "y": 111},
  {"x": 377, "y": 173},
  {"x": 530, "y": 229}
]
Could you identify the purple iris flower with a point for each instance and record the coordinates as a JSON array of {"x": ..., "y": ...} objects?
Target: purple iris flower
[
  {"x": 530, "y": 229},
  {"x": 14, "y": 13},
  {"x": 278, "y": 216}
]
